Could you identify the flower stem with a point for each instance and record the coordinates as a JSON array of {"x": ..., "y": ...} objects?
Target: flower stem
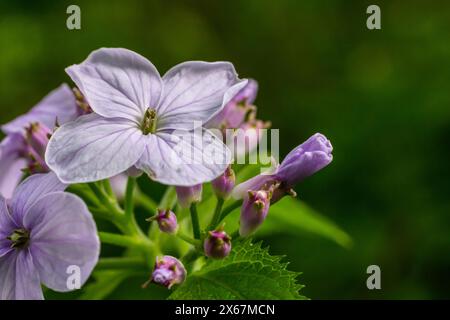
[
  {"x": 217, "y": 213},
  {"x": 145, "y": 202},
  {"x": 129, "y": 201},
  {"x": 118, "y": 240},
  {"x": 188, "y": 239},
  {"x": 104, "y": 199},
  {"x": 121, "y": 263},
  {"x": 126, "y": 241},
  {"x": 230, "y": 209},
  {"x": 107, "y": 187},
  {"x": 195, "y": 222}
]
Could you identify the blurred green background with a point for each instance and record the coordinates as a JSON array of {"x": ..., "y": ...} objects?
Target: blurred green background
[{"x": 382, "y": 97}]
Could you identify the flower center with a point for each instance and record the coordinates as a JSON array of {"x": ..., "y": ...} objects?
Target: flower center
[
  {"x": 149, "y": 123},
  {"x": 19, "y": 238}
]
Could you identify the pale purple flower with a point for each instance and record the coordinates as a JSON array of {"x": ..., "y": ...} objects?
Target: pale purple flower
[
  {"x": 141, "y": 119},
  {"x": 302, "y": 162},
  {"x": 188, "y": 195},
  {"x": 43, "y": 231},
  {"x": 23, "y": 146},
  {"x": 254, "y": 211},
  {"x": 217, "y": 244},
  {"x": 168, "y": 271}
]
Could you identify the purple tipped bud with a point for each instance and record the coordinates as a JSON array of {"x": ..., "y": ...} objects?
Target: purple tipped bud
[
  {"x": 218, "y": 244},
  {"x": 168, "y": 271},
  {"x": 224, "y": 184},
  {"x": 167, "y": 221},
  {"x": 254, "y": 211},
  {"x": 37, "y": 137},
  {"x": 188, "y": 195}
]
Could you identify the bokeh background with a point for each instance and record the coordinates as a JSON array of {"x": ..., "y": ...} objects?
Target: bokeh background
[{"x": 382, "y": 97}]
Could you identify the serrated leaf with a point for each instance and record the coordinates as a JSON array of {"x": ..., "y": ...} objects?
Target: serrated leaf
[{"x": 250, "y": 272}]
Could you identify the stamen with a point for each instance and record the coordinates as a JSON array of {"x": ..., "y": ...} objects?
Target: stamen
[
  {"x": 19, "y": 238},
  {"x": 149, "y": 123}
]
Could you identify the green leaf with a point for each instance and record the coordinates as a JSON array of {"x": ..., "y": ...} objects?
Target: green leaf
[
  {"x": 293, "y": 216},
  {"x": 250, "y": 272}
]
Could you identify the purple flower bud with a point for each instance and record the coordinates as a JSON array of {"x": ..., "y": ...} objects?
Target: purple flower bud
[
  {"x": 305, "y": 160},
  {"x": 218, "y": 244},
  {"x": 224, "y": 184},
  {"x": 254, "y": 211},
  {"x": 167, "y": 221},
  {"x": 168, "y": 271},
  {"x": 188, "y": 195},
  {"x": 36, "y": 139},
  {"x": 235, "y": 112}
]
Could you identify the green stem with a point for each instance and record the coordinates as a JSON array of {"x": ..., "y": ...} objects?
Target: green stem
[
  {"x": 188, "y": 239},
  {"x": 121, "y": 263},
  {"x": 129, "y": 201},
  {"x": 119, "y": 240},
  {"x": 230, "y": 209},
  {"x": 195, "y": 222},
  {"x": 126, "y": 241},
  {"x": 104, "y": 199},
  {"x": 217, "y": 212},
  {"x": 147, "y": 203},
  {"x": 84, "y": 193},
  {"x": 107, "y": 187}
]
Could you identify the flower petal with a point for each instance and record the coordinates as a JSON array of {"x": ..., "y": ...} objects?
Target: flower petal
[
  {"x": 63, "y": 234},
  {"x": 118, "y": 82},
  {"x": 196, "y": 91},
  {"x": 31, "y": 190},
  {"x": 93, "y": 148},
  {"x": 8, "y": 276},
  {"x": 11, "y": 163},
  {"x": 58, "y": 105},
  {"x": 184, "y": 158},
  {"x": 305, "y": 160},
  {"x": 7, "y": 225},
  {"x": 18, "y": 279},
  {"x": 28, "y": 284}
]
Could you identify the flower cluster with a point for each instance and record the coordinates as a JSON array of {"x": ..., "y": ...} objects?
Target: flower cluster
[{"x": 123, "y": 120}]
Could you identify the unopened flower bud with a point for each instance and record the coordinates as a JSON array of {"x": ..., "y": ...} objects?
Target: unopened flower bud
[
  {"x": 168, "y": 271},
  {"x": 224, "y": 184},
  {"x": 254, "y": 211},
  {"x": 37, "y": 137},
  {"x": 167, "y": 221},
  {"x": 188, "y": 195},
  {"x": 218, "y": 244}
]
